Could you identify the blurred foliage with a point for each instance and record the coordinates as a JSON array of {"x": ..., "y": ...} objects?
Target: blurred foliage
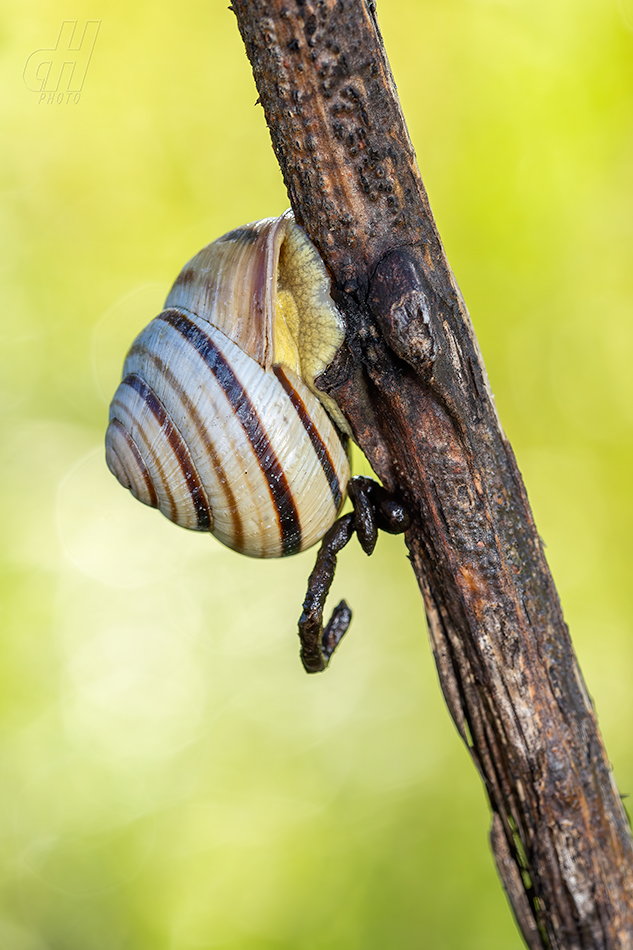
[{"x": 171, "y": 778}]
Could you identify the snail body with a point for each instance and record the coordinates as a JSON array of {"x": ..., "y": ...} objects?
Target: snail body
[{"x": 218, "y": 422}]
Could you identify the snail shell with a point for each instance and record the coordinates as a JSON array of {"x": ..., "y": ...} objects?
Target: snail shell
[{"x": 218, "y": 422}]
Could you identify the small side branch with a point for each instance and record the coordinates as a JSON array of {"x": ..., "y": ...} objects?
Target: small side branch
[{"x": 374, "y": 508}]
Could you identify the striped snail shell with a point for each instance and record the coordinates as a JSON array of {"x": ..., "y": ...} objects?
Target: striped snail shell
[{"x": 218, "y": 422}]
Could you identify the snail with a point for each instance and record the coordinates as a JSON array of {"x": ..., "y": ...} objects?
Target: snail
[{"x": 218, "y": 421}]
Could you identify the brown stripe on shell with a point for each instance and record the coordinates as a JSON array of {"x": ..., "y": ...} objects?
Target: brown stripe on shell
[
  {"x": 246, "y": 414},
  {"x": 185, "y": 278},
  {"x": 244, "y": 235},
  {"x": 319, "y": 446},
  {"x": 237, "y": 530},
  {"x": 117, "y": 425},
  {"x": 173, "y": 436},
  {"x": 151, "y": 453}
]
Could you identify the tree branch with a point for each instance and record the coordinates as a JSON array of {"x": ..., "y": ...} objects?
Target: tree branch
[{"x": 411, "y": 382}]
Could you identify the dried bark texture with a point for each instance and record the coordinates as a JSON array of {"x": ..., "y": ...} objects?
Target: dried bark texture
[{"x": 411, "y": 382}]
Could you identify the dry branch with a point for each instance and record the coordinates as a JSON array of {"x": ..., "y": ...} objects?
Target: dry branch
[{"x": 411, "y": 381}]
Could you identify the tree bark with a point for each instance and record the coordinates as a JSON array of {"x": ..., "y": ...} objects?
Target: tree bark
[{"x": 411, "y": 381}]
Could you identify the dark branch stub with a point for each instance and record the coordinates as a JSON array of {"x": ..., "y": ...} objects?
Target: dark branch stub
[
  {"x": 317, "y": 644},
  {"x": 374, "y": 508}
]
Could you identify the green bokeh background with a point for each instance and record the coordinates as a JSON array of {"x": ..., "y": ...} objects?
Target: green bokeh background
[{"x": 171, "y": 779}]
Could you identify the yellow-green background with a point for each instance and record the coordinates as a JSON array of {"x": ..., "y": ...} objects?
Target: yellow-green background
[{"x": 170, "y": 778}]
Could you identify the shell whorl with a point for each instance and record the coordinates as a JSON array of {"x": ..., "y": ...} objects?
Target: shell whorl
[
  {"x": 265, "y": 286},
  {"x": 232, "y": 283},
  {"x": 209, "y": 425}
]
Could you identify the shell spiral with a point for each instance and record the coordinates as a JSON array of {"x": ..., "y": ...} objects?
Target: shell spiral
[{"x": 216, "y": 421}]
